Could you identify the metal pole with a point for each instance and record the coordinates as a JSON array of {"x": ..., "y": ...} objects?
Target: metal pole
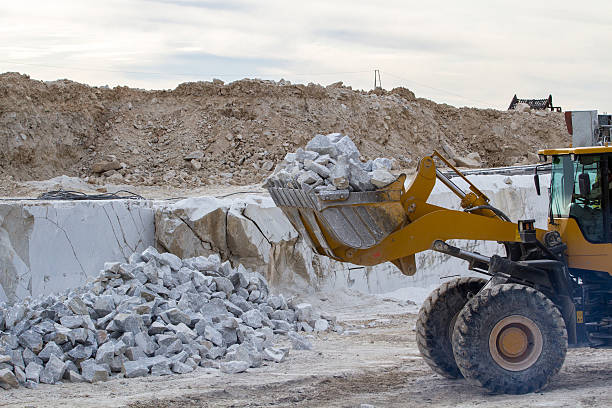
[{"x": 452, "y": 186}]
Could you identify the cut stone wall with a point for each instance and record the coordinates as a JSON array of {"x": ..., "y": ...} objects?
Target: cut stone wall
[
  {"x": 46, "y": 247},
  {"x": 51, "y": 246}
]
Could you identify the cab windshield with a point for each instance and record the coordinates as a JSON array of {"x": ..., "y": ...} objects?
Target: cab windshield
[{"x": 576, "y": 192}]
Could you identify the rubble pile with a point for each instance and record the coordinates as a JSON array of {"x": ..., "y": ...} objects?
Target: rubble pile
[
  {"x": 331, "y": 162},
  {"x": 155, "y": 315},
  {"x": 215, "y": 133}
]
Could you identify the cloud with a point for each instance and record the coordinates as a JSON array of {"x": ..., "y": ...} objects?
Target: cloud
[
  {"x": 477, "y": 53},
  {"x": 204, "y": 66},
  {"x": 401, "y": 42},
  {"x": 207, "y": 4}
]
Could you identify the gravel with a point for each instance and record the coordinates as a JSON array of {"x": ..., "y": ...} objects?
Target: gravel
[{"x": 156, "y": 315}]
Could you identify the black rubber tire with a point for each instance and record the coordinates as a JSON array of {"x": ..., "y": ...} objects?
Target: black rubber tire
[
  {"x": 478, "y": 318},
  {"x": 434, "y": 326}
]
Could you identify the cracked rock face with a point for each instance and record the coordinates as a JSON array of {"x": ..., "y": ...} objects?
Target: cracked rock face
[
  {"x": 156, "y": 315},
  {"x": 254, "y": 232},
  {"x": 33, "y": 233},
  {"x": 15, "y": 229},
  {"x": 331, "y": 162}
]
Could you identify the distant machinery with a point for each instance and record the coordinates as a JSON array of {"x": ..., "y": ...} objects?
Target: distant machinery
[
  {"x": 588, "y": 128},
  {"x": 537, "y": 104}
]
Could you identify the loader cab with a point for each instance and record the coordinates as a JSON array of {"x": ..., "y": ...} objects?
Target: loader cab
[
  {"x": 580, "y": 190},
  {"x": 580, "y": 204}
]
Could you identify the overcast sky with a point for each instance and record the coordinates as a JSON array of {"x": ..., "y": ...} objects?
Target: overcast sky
[{"x": 465, "y": 53}]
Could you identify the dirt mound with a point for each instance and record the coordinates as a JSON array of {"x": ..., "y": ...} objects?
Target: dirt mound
[{"x": 235, "y": 133}]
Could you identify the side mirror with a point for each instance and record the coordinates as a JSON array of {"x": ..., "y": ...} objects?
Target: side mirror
[
  {"x": 536, "y": 181},
  {"x": 584, "y": 184}
]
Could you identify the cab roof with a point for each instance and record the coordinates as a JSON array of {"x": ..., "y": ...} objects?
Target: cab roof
[{"x": 576, "y": 150}]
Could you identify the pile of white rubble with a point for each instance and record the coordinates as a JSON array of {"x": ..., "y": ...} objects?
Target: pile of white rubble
[
  {"x": 331, "y": 162},
  {"x": 155, "y": 315}
]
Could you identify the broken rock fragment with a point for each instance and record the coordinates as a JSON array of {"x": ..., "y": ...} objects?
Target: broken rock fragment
[
  {"x": 381, "y": 178},
  {"x": 274, "y": 354},
  {"x": 299, "y": 342},
  {"x": 137, "y": 368},
  {"x": 233, "y": 367},
  {"x": 103, "y": 166},
  {"x": 53, "y": 371},
  {"x": 8, "y": 379},
  {"x": 321, "y": 144}
]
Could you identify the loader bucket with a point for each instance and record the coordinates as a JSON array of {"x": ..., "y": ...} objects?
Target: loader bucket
[{"x": 334, "y": 220}]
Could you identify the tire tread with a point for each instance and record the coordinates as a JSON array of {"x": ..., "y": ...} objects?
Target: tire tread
[
  {"x": 465, "y": 341},
  {"x": 442, "y": 302}
]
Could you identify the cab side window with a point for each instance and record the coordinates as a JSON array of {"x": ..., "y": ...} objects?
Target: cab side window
[{"x": 586, "y": 202}]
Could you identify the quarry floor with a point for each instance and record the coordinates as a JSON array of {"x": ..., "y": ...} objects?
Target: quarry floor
[{"x": 379, "y": 365}]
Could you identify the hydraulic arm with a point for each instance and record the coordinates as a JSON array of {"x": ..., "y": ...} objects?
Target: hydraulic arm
[{"x": 394, "y": 223}]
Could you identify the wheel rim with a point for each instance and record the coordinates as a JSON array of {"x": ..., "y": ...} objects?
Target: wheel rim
[{"x": 515, "y": 343}]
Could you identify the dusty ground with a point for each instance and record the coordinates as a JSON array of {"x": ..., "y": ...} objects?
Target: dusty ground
[{"x": 380, "y": 366}]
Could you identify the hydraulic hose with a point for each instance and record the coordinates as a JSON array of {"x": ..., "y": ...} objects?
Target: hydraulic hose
[{"x": 497, "y": 211}]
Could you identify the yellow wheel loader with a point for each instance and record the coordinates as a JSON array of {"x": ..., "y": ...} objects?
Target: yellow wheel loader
[{"x": 508, "y": 331}]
